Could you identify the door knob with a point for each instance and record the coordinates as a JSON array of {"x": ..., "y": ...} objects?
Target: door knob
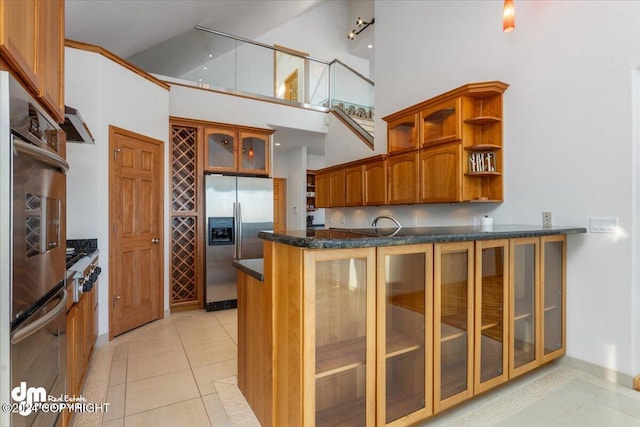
[
  {"x": 155, "y": 241},
  {"x": 115, "y": 300}
]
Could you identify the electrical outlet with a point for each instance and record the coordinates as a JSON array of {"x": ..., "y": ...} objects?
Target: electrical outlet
[
  {"x": 546, "y": 219},
  {"x": 603, "y": 224}
]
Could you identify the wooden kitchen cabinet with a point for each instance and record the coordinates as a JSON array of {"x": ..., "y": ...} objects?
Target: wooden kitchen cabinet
[
  {"x": 469, "y": 117},
  {"x": 254, "y": 153},
  {"x": 440, "y": 123},
  {"x": 339, "y": 325},
  {"x": 491, "y": 317},
  {"x": 52, "y": 56},
  {"x": 524, "y": 305},
  {"x": 402, "y": 176},
  {"x": 403, "y": 134},
  {"x": 354, "y": 185},
  {"x": 337, "y": 187},
  {"x": 405, "y": 334},
  {"x": 553, "y": 255},
  {"x": 322, "y": 189},
  {"x": 453, "y": 299},
  {"x": 221, "y": 150},
  {"x": 394, "y": 334},
  {"x": 232, "y": 150},
  {"x": 375, "y": 183},
  {"x": 32, "y": 44},
  {"x": 19, "y": 42},
  {"x": 482, "y": 140},
  {"x": 330, "y": 188},
  {"x": 440, "y": 174}
]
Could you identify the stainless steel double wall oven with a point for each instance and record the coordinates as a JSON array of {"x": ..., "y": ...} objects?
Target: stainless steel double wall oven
[{"x": 38, "y": 295}]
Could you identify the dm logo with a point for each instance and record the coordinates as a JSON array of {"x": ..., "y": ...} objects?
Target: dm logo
[{"x": 27, "y": 397}]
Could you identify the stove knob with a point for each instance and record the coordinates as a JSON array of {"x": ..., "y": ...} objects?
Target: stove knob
[{"x": 98, "y": 270}]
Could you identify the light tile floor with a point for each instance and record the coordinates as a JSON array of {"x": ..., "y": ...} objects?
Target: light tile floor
[{"x": 181, "y": 371}]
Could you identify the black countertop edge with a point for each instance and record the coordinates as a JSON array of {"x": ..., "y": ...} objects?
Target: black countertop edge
[
  {"x": 337, "y": 238},
  {"x": 83, "y": 245},
  {"x": 252, "y": 267}
]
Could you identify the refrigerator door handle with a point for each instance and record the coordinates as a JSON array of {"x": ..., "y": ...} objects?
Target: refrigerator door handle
[
  {"x": 235, "y": 230},
  {"x": 239, "y": 233}
]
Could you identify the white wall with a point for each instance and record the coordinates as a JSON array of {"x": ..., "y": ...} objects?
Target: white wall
[
  {"x": 568, "y": 136},
  {"x": 322, "y": 33},
  {"x": 107, "y": 94},
  {"x": 217, "y": 107}
]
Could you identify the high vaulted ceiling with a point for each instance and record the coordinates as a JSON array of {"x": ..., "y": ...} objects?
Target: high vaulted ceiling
[{"x": 130, "y": 27}]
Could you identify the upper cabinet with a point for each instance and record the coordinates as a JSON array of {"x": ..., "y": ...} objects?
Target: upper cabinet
[
  {"x": 233, "y": 150},
  {"x": 402, "y": 134},
  {"x": 447, "y": 149},
  {"x": 32, "y": 44},
  {"x": 441, "y": 122}
]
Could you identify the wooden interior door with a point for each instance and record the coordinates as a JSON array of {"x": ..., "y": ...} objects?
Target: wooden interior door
[
  {"x": 279, "y": 204},
  {"x": 136, "y": 211},
  {"x": 291, "y": 86}
]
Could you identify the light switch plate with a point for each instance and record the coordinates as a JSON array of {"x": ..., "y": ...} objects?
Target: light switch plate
[
  {"x": 546, "y": 219},
  {"x": 602, "y": 224}
]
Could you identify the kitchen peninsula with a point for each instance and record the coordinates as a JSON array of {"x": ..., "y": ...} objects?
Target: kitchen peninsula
[{"x": 385, "y": 327}]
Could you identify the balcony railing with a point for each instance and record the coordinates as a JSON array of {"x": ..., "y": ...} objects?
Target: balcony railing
[{"x": 222, "y": 61}]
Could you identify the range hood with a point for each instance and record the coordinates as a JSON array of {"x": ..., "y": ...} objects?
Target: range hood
[{"x": 75, "y": 127}]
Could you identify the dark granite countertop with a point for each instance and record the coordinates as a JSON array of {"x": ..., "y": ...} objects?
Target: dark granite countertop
[
  {"x": 336, "y": 238},
  {"x": 252, "y": 267}
]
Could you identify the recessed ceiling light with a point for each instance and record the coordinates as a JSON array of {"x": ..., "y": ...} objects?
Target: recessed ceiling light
[
  {"x": 205, "y": 67},
  {"x": 211, "y": 55},
  {"x": 370, "y": 46},
  {"x": 277, "y": 143}
]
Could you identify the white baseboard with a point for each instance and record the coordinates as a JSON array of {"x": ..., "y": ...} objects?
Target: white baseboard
[{"x": 610, "y": 375}]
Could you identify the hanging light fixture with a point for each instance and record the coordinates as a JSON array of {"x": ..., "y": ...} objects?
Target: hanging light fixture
[
  {"x": 508, "y": 16},
  {"x": 362, "y": 24},
  {"x": 251, "y": 152}
]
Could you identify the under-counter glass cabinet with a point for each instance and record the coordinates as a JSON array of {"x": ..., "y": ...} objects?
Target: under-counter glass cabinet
[
  {"x": 553, "y": 261},
  {"x": 339, "y": 356},
  {"x": 491, "y": 319},
  {"x": 453, "y": 323},
  {"x": 524, "y": 291},
  {"x": 405, "y": 331}
]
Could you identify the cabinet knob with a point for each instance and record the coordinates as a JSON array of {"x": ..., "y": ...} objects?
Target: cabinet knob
[{"x": 155, "y": 241}]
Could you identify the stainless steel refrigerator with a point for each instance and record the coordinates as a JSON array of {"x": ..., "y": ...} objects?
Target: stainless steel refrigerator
[{"x": 237, "y": 208}]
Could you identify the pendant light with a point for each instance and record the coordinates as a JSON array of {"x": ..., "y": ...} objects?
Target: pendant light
[{"x": 508, "y": 16}]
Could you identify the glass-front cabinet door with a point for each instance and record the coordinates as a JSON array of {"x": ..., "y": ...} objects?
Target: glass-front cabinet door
[
  {"x": 523, "y": 305},
  {"x": 453, "y": 323},
  {"x": 339, "y": 348},
  {"x": 254, "y": 153},
  {"x": 552, "y": 259},
  {"x": 491, "y": 319},
  {"x": 441, "y": 123},
  {"x": 221, "y": 148},
  {"x": 405, "y": 325}
]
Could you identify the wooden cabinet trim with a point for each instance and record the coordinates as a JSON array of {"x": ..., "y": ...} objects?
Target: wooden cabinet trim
[{"x": 476, "y": 90}]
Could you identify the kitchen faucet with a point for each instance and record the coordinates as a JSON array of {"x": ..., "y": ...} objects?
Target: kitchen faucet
[{"x": 375, "y": 221}]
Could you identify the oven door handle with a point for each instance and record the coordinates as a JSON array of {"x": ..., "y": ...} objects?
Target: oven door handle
[
  {"x": 41, "y": 154},
  {"x": 34, "y": 327}
]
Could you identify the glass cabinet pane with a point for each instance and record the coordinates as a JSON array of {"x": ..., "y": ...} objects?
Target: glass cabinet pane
[
  {"x": 454, "y": 323},
  {"x": 523, "y": 300},
  {"x": 254, "y": 155},
  {"x": 553, "y": 288},
  {"x": 340, "y": 338},
  {"x": 405, "y": 322},
  {"x": 221, "y": 150},
  {"x": 491, "y": 314}
]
